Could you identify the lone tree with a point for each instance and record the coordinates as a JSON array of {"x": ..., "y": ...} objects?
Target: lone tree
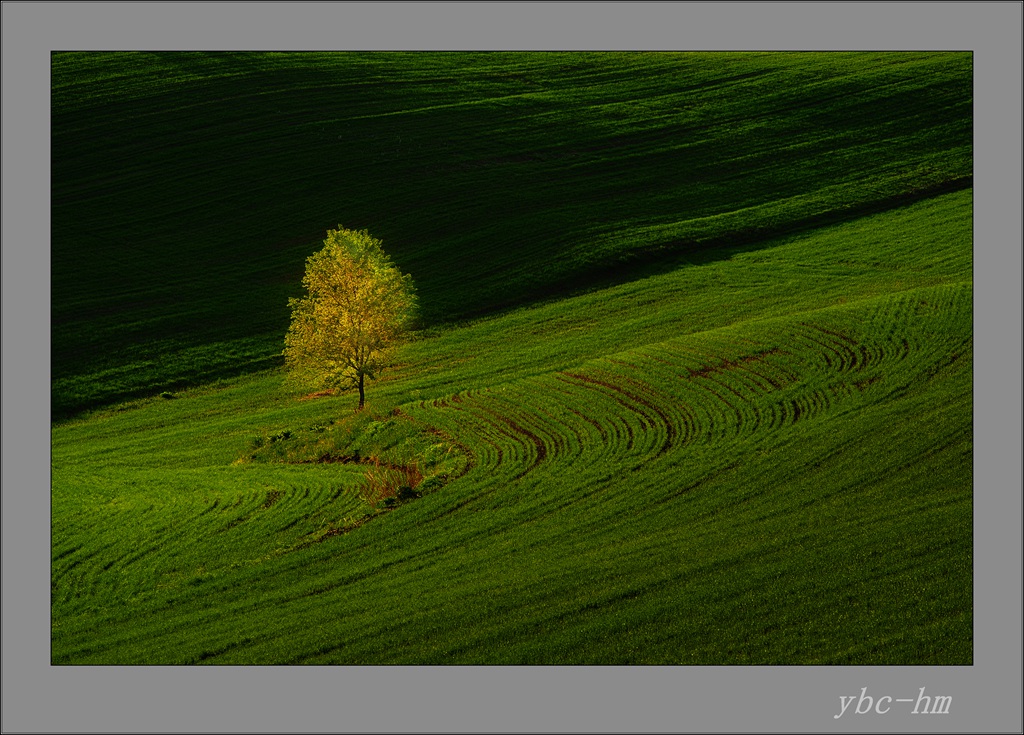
[{"x": 357, "y": 307}]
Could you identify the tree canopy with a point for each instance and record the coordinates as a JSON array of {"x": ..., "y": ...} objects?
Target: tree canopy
[{"x": 357, "y": 307}]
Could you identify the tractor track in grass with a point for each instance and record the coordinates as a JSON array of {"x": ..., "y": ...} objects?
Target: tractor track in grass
[
  {"x": 630, "y": 398},
  {"x": 602, "y": 431},
  {"x": 530, "y": 434},
  {"x": 515, "y": 430}
]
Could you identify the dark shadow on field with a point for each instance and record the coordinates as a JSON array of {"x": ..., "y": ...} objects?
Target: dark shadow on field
[
  {"x": 179, "y": 186},
  {"x": 659, "y": 259},
  {"x": 669, "y": 256}
]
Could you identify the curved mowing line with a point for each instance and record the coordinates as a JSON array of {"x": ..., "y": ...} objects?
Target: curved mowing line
[
  {"x": 491, "y": 455},
  {"x": 540, "y": 450},
  {"x": 614, "y": 430},
  {"x": 838, "y": 354},
  {"x": 562, "y": 445},
  {"x": 670, "y": 426},
  {"x": 646, "y": 421}
]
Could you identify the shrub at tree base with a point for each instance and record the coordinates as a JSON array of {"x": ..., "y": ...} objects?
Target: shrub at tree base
[{"x": 357, "y": 307}]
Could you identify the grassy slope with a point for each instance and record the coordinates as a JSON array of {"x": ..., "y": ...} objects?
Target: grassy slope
[
  {"x": 712, "y": 464},
  {"x": 188, "y": 188}
]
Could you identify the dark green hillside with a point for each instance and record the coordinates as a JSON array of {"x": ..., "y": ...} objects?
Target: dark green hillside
[{"x": 189, "y": 187}]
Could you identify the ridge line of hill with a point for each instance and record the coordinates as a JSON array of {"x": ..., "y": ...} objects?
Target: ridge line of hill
[{"x": 662, "y": 257}]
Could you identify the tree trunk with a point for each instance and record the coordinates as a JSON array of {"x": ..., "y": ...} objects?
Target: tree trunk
[{"x": 362, "y": 395}]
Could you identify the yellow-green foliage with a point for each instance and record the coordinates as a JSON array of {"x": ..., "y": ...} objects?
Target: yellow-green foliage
[{"x": 356, "y": 308}]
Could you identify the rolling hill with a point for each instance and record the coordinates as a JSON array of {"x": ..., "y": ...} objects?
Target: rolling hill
[{"x": 694, "y": 382}]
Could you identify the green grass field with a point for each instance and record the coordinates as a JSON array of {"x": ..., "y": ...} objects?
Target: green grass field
[{"x": 693, "y": 383}]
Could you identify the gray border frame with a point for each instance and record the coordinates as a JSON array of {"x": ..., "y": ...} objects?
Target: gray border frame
[{"x": 41, "y": 698}]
